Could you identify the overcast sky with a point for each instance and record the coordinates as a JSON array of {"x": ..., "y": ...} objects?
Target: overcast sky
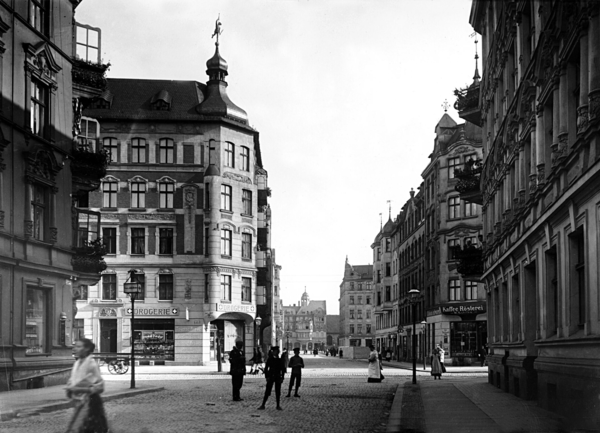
[{"x": 345, "y": 94}]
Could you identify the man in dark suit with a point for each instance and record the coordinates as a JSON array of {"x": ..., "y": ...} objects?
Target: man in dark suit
[
  {"x": 237, "y": 369},
  {"x": 274, "y": 373}
]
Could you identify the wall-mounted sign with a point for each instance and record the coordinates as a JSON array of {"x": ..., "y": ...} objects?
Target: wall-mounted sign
[
  {"x": 154, "y": 311},
  {"x": 464, "y": 308},
  {"x": 434, "y": 312},
  {"x": 236, "y": 308}
]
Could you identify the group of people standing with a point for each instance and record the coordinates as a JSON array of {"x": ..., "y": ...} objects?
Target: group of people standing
[
  {"x": 437, "y": 362},
  {"x": 274, "y": 371}
]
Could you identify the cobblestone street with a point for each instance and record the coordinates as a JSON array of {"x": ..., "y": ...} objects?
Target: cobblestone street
[{"x": 346, "y": 404}]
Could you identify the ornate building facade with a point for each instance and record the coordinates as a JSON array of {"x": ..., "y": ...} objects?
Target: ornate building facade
[
  {"x": 455, "y": 301},
  {"x": 44, "y": 250},
  {"x": 357, "y": 306},
  {"x": 305, "y": 324},
  {"x": 185, "y": 207},
  {"x": 539, "y": 110}
]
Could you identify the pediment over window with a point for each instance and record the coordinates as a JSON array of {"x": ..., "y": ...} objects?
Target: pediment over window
[
  {"x": 138, "y": 179},
  {"x": 40, "y": 61},
  {"x": 42, "y": 167},
  {"x": 165, "y": 179}
]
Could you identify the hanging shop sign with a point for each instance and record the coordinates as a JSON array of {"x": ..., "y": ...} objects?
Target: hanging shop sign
[
  {"x": 154, "y": 311},
  {"x": 464, "y": 308},
  {"x": 236, "y": 308}
]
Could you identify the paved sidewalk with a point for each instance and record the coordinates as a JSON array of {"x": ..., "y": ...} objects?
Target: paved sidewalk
[
  {"x": 449, "y": 368},
  {"x": 27, "y": 402},
  {"x": 463, "y": 406}
]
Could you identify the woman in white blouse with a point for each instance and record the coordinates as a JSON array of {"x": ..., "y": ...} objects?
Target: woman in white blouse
[{"x": 84, "y": 388}]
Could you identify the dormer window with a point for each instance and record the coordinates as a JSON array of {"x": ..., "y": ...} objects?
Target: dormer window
[
  {"x": 103, "y": 101},
  {"x": 161, "y": 101}
]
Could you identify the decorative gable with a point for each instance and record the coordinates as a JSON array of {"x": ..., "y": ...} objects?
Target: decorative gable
[{"x": 41, "y": 63}]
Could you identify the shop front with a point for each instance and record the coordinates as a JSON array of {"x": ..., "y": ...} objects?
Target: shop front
[
  {"x": 460, "y": 328},
  {"x": 154, "y": 334},
  {"x": 230, "y": 323}
]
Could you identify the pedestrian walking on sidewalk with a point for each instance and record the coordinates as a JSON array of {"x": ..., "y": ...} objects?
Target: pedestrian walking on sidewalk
[
  {"x": 296, "y": 364},
  {"x": 257, "y": 361},
  {"x": 436, "y": 367},
  {"x": 441, "y": 355},
  {"x": 84, "y": 388},
  {"x": 374, "y": 366},
  {"x": 237, "y": 369},
  {"x": 274, "y": 373}
]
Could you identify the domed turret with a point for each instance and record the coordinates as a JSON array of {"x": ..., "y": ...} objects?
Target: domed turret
[{"x": 305, "y": 298}]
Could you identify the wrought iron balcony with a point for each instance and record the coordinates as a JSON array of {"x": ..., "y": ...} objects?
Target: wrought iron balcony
[
  {"x": 88, "y": 259},
  {"x": 470, "y": 261},
  {"x": 467, "y": 103},
  {"x": 88, "y": 165},
  {"x": 89, "y": 79},
  {"x": 468, "y": 184}
]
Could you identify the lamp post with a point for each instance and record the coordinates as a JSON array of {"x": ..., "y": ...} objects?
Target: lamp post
[
  {"x": 413, "y": 298},
  {"x": 257, "y": 321},
  {"x": 424, "y": 328},
  {"x": 132, "y": 289}
]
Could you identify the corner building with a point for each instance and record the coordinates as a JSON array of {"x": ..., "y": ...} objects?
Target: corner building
[
  {"x": 540, "y": 186},
  {"x": 185, "y": 205},
  {"x": 357, "y": 306}
]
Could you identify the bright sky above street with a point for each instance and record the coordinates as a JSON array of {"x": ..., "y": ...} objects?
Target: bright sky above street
[{"x": 345, "y": 95}]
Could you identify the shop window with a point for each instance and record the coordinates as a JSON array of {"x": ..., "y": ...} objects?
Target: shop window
[
  {"x": 36, "y": 321},
  {"x": 154, "y": 340},
  {"x": 165, "y": 287},
  {"x": 463, "y": 339},
  {"x": 109, "y": 239},
  {"x": 165, "y": 241},
  {"x": 246, "y": 289},
  {"x": 109, "y": 287}
]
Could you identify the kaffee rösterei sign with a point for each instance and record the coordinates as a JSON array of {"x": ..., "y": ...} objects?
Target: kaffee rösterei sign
[{"x": 464, "y": 308}]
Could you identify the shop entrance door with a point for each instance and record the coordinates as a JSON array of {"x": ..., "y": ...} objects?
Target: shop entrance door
[{"x": 108, "y": 335}]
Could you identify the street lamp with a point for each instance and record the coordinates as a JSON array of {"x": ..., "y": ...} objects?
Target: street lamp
[
  {"x": 132, "y": 289},
  {"x": 413, "y": 299},
  {"x": 257, "y": 321},
  {"x": 423, "y": 329}
]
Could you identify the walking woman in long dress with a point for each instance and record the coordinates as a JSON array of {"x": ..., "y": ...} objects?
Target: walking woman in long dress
[
  {"x": 84, "y": 388},
  {"x": 374, "y": 367},
  {"x": 436, "y": 367}
]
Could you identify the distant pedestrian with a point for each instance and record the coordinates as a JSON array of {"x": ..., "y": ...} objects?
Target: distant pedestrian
[
  {"x": 374, "y": 371},
  {"x": 441, "y": 355},
  {"x": 257, "y": 361},
  {"x": 315, "y": 352},
  {"x": 341, "y": 353},
  {"x": 237, "y": 369},
  {"x": 84, "y": 388},
  {"x": 436, "y": 367},
  {"x": 482, "y": 355},
  {"x": 388, "y": 355},
  {"x": 274, "y": 373},
  {"x": 296, "y": 364},
  {"x": 285, "y": 358}
]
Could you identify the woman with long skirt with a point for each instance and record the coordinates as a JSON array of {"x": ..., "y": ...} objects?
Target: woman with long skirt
[
  {"x": 374, "y": 366},
  {"x": 436, "y": 367},
  {"x": 84, "y": 389}
]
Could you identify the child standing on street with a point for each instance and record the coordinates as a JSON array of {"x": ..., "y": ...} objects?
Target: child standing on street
[
  {"x": 274, "y": 373},
  {"x": 296, "y": 363}
]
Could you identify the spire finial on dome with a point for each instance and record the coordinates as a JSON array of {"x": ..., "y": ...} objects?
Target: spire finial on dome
[
  {"x": 218, "y": 30},
  {"x": 445, "y": 105},
  {"x": 476, "y": 77},
  {"x": 389, "y": 209}
]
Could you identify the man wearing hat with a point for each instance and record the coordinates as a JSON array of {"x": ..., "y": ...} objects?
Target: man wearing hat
[
  {"x": 237, "y": 369},
  {"x": 274, "y": 373},
  {"x": 296, "y": 364}
]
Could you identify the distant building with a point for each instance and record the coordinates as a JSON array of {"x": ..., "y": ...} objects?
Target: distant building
[
  {"x": 357, "y": 319},
  {"x": 385, "y": 320},
  {"x": 305, "y": 324},
  {"x": 332, "y": 321}
]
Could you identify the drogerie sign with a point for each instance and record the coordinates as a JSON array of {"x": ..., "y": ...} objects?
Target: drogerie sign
[{"x": 154, "y": 311}]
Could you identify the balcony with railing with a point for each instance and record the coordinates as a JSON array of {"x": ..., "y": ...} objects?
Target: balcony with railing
[
  {"x": 470, "y": 261},
  {"x": 88, "y": 248},
  {"x": 89, "y": 78},
  {"x": 468, "y": 184},
  {"x": 467, "y": 103},
  {"x": 88, "y": 165}
]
